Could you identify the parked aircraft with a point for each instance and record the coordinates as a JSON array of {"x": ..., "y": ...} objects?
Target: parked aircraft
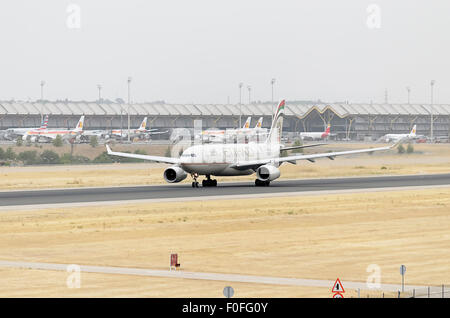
[
  {"x": 46, "y": 135},
  {"x": 13, "y": 133},
  {"x": 398, "y": 137},
  {"x": 225, "y": 135},
  {"x": 142, "y": 132},
  {"x": 316, "y": 135},
  {"x": 237, "y": 159}
]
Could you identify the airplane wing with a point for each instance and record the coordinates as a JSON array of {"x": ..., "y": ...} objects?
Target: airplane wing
[
  {"x": 158, "y": 132},
  {"x": 143, "y": 157},
  {"x": 256, "y": 163},
  {"x": 303, "y": 146}
]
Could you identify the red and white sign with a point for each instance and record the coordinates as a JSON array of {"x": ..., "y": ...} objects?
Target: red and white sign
[{"x": 338, "y": 289}]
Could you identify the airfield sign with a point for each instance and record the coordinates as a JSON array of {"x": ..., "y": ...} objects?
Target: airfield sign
[
  {"x": 338, "y": 289},
  {"x": 402, "y": 272}
]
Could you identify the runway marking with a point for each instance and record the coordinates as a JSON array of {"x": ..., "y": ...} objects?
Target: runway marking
[
  {"x": 31, "y": 207},
  {"x": 180, "y": 274}
]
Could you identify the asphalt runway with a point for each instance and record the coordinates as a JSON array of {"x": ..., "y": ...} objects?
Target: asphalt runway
[{"x": 173, "y": 191}]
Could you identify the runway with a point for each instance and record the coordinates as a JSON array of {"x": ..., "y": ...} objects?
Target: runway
[{"x": 224, "y": 190}]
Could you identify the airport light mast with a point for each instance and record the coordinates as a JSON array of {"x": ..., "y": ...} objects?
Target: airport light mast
[
  {"x": 42, "y": 100},
  {"x": 249, "y": 94},
  {"x": 408, "y": 89},
  {"x": 129, "y": 102},
  {"x": 240, "y": 104},
  {"x": 431, "y": 110},
  {"x": 99, "y": 92},
  {"x": 272, "y": 82}
]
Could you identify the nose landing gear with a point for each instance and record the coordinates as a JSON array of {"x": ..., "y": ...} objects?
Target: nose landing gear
[{"x": 195, "y": 182}]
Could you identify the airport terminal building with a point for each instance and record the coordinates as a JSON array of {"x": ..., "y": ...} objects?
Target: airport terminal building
[{"x": 348, "y": 121}]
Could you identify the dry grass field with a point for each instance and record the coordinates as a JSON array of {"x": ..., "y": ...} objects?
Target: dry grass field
[
  {"x": 316, "y": 237},
  {"x": 426, "y": 159}
]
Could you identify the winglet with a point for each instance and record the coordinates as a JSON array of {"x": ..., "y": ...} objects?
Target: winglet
[{"x": 108, "y": 150}]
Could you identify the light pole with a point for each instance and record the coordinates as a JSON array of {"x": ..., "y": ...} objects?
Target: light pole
[
  {"x": 42, "y": 100},
  {"x": 99, "y": 92},
  {"x": 431, "y": 110},
  {"x": 249, "y": 94},
  {"x": 240, "y": 104},
  {"x": 272, "y": 82},
  {"x": 409, "y": 91},
  {"x": 129, "y": 102}
]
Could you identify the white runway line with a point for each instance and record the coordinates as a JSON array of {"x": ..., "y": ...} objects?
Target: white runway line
[
  {"x": 30, "y": 207},
  {"x": 204, "y": 276}
]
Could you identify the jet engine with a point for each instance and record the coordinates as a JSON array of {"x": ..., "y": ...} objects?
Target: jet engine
[
  {"x": 174, "y": 174},
  {"x": 267, "y": 173}
]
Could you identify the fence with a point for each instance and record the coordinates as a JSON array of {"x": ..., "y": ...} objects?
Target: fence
[{"x": 429, "y": 292}]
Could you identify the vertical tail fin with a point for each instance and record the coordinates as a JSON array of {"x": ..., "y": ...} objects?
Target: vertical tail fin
[
  {"x": 413, "y": 131},
  {"x": 276, "y": 130},
  {"x": 327, "y": 131},
  {"x": 44, "y": 124},
  {"x": 247, "y": 122},
  {"x": 259, "y": 123},
  {"x": 80, "y": 125},
  {"x": 143, "y": 124}
]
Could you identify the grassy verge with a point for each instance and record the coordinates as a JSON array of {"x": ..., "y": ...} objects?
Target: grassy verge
[{"x": 317, "y": 237}]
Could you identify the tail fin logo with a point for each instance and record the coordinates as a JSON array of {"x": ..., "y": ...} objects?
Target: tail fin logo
[
  {"x": 247, "y": 123},
  {"x": 326, "y": 132},
  {"x": 80, "y": 124},
  {"x": 44, "y": 124},
  {"x": 277, "y": 125},
  {"x": 143, "y": 124},
  {"x": 259, "y": 123}
]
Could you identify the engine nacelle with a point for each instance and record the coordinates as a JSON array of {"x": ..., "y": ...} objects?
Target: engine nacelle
[
  {"x": 33, "y": 139},
  {"x": 267, "y": 173},
  {"x": 174, "y": 174}
]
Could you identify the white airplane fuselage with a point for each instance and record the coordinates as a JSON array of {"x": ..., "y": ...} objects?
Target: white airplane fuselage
[
  {"x": 396, "y": 137},
  {"x": 216, "y": 159}
]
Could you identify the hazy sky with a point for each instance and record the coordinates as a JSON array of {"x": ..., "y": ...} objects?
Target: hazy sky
[{"x": 199, "y": 50}]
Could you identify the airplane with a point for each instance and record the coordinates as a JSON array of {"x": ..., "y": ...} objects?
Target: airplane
[
  {"x": 316, "y": 135},
  {"x": 218, "y": 135},
  {"x": 230, "y": 134},
  {"x": 259, "y": 123},
  {"x": 237, "y": 159},
  {"x": 398, "y": 137},
  {"x": 13, "y": 133},
  {"x": 139, "y": 132},
  {"x": 42, "y": 135}
]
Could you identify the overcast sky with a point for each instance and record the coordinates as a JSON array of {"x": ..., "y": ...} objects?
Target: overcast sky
[{"x": 199, "y": 50}]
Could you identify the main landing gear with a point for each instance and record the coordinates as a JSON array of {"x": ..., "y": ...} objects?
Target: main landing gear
[
  {"x": 260, "y": 183},
  {"x": 209, "y": 182}
]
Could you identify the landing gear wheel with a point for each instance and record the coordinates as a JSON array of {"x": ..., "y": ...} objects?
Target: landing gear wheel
[
  {"x": 260, "y": 183},
  {"x": 209, "y": 182}
]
